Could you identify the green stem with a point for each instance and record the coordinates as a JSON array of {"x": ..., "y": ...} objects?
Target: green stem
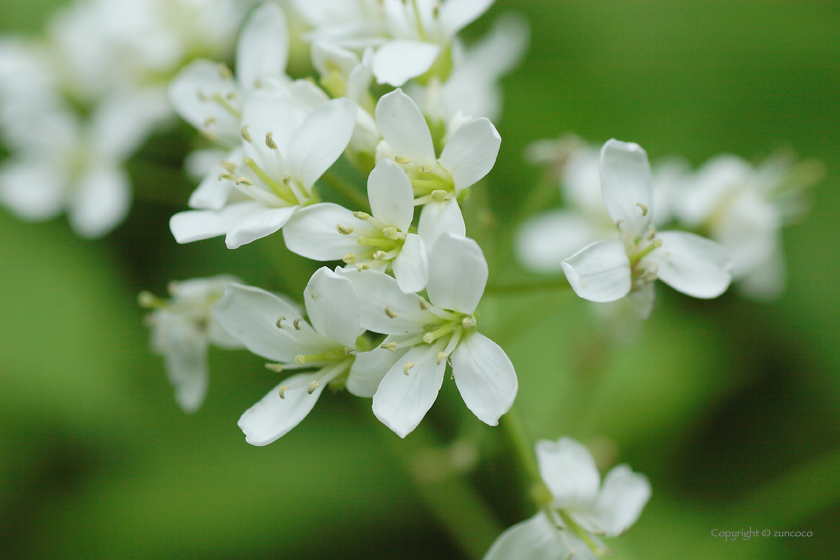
[
  {"x": 346, "y": 190},
  {"x": 443, "y": 489},
  {"x": 521, "y": 445},
  {"x": 527, "y": 287}
]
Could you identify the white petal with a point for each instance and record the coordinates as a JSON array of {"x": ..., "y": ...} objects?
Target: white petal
[
  {"x": 258, "y": 223},
  {"x": 391, "y": 196},
  {"x": 411, "y": 267},
  {"x": 321, "y": 139},
  {"x": 332, "y": 306},
  {"x": 122, "y": 121},
  {"x": 369, "y": 368},
  {"x": 101, "y": 202},
  {"x": 471, "y": 152},
  {"x": 621, "y": 500},
  {"x": 691, "y": 264},
  {"x": 625, "y": 184},
  {"x": 312, "y": 233},
  {"x": 190, "y": 93},
  {"x": 457, "y": 273},
  {"x": 32, "y": 191},
  {"x": 535, "y": 539},
  {"x": 404, "y": 128},
  {"x": 438, "y": 218},
  {"x": 569, "y": 471},
  {"x": 485, "y": 377},
  {"x": 600, "y": 271},
  {"x": 767, "y": 280},
  {"x": 250, "y": 316},
  {"x": 195, "y": 225},
  {"x": 402, "y": 400},
  {"x": 263, "y": 46},
  {"x": 186, "y": 367},
  {"x": 457, "y": 14},
  {"x": 325, "y": 56},
  {"x": 396, "y": 62},
  {"x": 273, "y": 417},
  {"x": 212, "y": 193},
  {"x": 546, "y": 239},
  {"x": 376, "y": 291}
]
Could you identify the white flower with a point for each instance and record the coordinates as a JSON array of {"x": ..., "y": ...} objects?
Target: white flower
[
  {"x": 182, "y": 328},
  {"x": 63, "y": 162},
  {"x": 578, "y": 510},
  {"x": 424, "y": 336},
  {"x": 409, "y": 36},
  {"x": 327, "y": 232},
  {"x": 467, "y": 157},
  {"x": 609, "y": 270},
  {"x": 472, "y": 87},
  {"x": 744, "y": 208},
  {"x": 287, "y": 146},
  {"x": 271, "y": 327},
  {"x": 544, "y": 240},
  {"x": 209, "y": 97}
]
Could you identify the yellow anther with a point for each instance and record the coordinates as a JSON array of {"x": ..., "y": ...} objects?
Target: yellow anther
[
  {"x": 229, "y": 165},
  {"x": 468, "y": 322},
  {"x": 441, "y": 356},
  {"x": 287, "y": 179},
  {"x": 350, "y": 258},
  {"x": 231, "y": 95},
  {"x": 349, "y": 350},
  {"x": 276, "y": 368},
  {"x": 407, "y": 367},
  {"x": 428, "y": 338},
  {"x": 209, "y": 120},
  {"x": 300, "y": 359},
  {"x": 343, "y": 230},
  {"x": 297, "y": 324},
  {"x": 390, "y": 313},
  {"x": 392, "y": 346},
  {"x": 379, "y": 255},
  {"x": 283, "y": 389},
  {"x": 210, "y": 135},
  {"x": 269, "y": 140},
  {"x": 173, "y": 287},
  {"x": 228, "y": 176},
  {"x": 425, "y": 169},
  {"x": 361, "y": 215},
  {"x": 424, "y": 305},
  {"x": 312, "y": 386},
  {"x": 390, "y": 233},
  {"x": 279, "y": 321},
  {"x": 643, "y": 207},
  {"x": 439, "y": 195},
  {"x": 362, "y": 266},
  {"x": 244, "y": 180},
  {"x": 245, "y": 134},
  {"x": 402, "y": 159},
  {"x": 225, "y": 72}
]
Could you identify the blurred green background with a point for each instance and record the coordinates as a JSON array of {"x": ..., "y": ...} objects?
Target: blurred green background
[{"x": 730, "y": 407}]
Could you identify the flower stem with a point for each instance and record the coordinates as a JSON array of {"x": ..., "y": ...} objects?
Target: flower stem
[
  {"x": 346, "y": 190},
  {"x": 521, "y": 445},
  {"x": 443, "y": 488}
]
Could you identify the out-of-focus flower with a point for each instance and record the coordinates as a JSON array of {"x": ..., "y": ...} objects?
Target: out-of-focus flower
[
  {"x": 575, "y": 510},
  {"x": 744, "y": 208},
  {"x": 609, "y": 270},
  {"x": 182, "y": 329}
]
